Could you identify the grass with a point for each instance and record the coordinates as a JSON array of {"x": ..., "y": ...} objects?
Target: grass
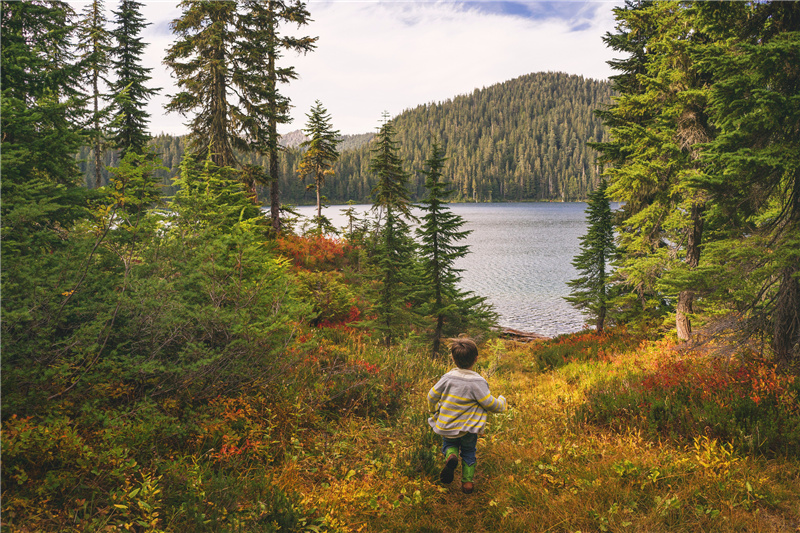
[
  {"x": 355, "y": 453},
  {"x": 538, "y": 469}
]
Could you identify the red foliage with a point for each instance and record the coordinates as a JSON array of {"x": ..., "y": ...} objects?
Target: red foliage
[
  {"x": 314, "y": 252},
  {"x": 713, "y": 380},
  {"x": 352, "y": 316}
]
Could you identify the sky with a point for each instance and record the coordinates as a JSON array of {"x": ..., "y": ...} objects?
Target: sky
[{"x": 374, "y": 56}]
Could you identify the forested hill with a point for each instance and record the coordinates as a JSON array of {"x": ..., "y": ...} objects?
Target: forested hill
[{"x": 523, "y": 139}]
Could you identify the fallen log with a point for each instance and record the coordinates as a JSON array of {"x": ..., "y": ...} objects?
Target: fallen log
[{"x": 522, "y": 336}]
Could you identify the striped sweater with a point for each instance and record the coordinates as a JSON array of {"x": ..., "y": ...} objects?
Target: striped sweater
[{"x": 460, "y": 400}]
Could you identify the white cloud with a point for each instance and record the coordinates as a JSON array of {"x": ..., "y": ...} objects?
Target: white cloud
[
  {"x": 375, "y": 56},
  {"x": 393, "y": 56}
]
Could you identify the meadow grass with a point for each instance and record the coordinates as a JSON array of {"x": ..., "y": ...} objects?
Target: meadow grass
[
  {"x": 346, "y": 447},
  {"x": 540, "y": 468}
]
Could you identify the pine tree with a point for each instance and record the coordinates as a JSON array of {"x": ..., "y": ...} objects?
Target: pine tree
[
  {"x": 226, "y": 48},
  {"x": 657, "y": 124},
  {"x": 202, "y": 63},
  {"x": 262, "y": 46},
  {"x": 129, "y": 89},
  {"x": 94, "y": 42},
  {"x": 394, "y": 250},
  {"x": 590, "y": 290},
  {"x": 41, "y": 118},
  {"x": 43, "y": 107},
  {"x": 320, "y": 155},
  {"x": 438, "y": 234},
  {"x": 754, "y": 176}
]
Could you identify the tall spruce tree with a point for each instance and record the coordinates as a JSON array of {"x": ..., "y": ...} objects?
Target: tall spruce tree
[
  {"x": 94, "y": 43},
  {"x": 261, "y": 46},
  {"x": 320, "y": 155},
  {"x": 41, "y": 118},
  {"x": 754, "y": 174},
  {"x": 657, "y": 122},
  {"x": 202, "y": 62},
  {"x": 438, "y": 234},
  {"x": 224, "y": 49},
  {"x": 590, "y": 290},
  {"x": 394, "y": 250},
  {"x": 129, "y": 125},
  {"x": 43, "y": 108}
]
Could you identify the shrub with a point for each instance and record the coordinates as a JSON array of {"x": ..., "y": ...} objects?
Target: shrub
[{"x": 749, "y": 403}]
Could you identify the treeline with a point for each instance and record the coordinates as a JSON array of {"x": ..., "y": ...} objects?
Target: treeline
[{"x": 524, "y": 139}]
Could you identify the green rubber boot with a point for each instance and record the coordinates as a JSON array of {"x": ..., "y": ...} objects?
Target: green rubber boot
[
  {"x": 467, "y": 475},
  {"x": 450, "y": 465}
]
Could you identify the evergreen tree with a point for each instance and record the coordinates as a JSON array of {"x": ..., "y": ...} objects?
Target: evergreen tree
[
  {"x": 320, "y": 155},
  {"x": 658, "y": 122},
  {"x": 94, "y": 41},
  {"x": 393, "y": 255},
  {"x": 226, "y": 49},
  {"x": 590, "y": 290},
  {"x": 754, "y": 174},
  {"x": 43, "y": 108},
  {"x": 438, "y": 234},
  {"x": 262, "y": 46},
  {"x": 129, "y": 89},
  {"x": 41, "y": 118},
  {"x": 202, "y": 62}
]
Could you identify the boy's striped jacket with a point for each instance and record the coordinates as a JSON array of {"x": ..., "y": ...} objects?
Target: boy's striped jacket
[{"x": 461, "y": 399}]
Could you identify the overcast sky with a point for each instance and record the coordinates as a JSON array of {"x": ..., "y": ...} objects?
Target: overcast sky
[{"x": 374, "y": 56}]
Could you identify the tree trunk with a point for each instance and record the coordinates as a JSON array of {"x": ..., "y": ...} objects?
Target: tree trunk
[
  {"x": 437, "y": 336},
  {"x": 274, "y": 190},
  {"x": 601, "y": 318},
  {"x": 787, "y": 316},
  {"x": 682, "y": 312},
  {"x": 319, "y": 208},
  {"x": 686, "y": 298},
  {"x": 98, "y": 151}
]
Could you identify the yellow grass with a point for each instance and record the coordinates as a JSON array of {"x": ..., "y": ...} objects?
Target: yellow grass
[{"x": 538, "y": 470}]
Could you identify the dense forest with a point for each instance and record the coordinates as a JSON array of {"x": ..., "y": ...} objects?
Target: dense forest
[
  {"x": 182, "y": 362},
  {"x": 524, "y": 139}
]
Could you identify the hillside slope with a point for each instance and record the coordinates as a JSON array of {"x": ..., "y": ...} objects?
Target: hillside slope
[{"x": 523, "y": 139}]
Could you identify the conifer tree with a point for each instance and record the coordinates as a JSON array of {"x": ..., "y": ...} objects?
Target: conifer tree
[
  {"x": 320, "y": 155},
  {"x": 754, "y": 175},
  {"x": 201, "y": 60},
  {"x": 225, "y": 49},
  {"x": 438, "y": 234},
  {"x": 42, "y": 114},
  {"x": 590, "y": 290},
  {"x": 94, "y": 43},
  {"x": 130, "y": 119},
  {"x": 43, "y": 107},
  {"x": 657, "y": 122},
  {"x": 395, "y": 248},
  {"x": 261, "y": 46}
]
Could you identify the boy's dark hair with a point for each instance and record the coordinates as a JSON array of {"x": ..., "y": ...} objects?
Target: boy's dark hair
[{"x": 464, "y": 352}]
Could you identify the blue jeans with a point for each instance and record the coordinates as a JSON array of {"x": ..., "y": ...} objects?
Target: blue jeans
[{"x": 466, "y": 445}]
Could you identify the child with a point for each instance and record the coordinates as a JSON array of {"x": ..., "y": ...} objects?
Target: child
[{"x": 461, "y": 399}]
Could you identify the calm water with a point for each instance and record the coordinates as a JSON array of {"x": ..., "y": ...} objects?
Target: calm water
[{"x": 520, "y": 259}]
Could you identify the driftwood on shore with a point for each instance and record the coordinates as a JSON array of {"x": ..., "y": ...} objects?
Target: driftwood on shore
[{"x": 521, "y": 336}]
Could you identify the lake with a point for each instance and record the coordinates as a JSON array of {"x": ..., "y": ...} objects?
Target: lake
[{"x": 520, "y": 259}]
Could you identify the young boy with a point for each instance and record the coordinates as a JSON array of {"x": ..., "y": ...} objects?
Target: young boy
[{"x": 461, "y": 399}]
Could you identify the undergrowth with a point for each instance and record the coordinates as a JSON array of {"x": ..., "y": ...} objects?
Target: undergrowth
[
  {"x": 350, "y": 449},
  {"x": 603, "y": 433}
]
